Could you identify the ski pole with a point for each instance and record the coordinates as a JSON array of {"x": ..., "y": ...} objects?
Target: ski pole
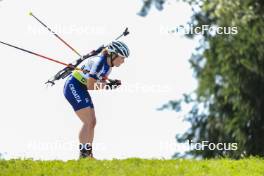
[
  {"x": 39, "y": 55},
  {"x": 126, "y": 32},
  {"x": 56, "y": 35},
  {"x": 61, "y": 74}
]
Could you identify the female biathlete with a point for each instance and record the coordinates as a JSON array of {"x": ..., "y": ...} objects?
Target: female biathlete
[{"x": 93, "y": 76}]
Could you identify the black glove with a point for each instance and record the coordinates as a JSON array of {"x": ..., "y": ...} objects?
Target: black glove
[{"x": 113, "y": 84}]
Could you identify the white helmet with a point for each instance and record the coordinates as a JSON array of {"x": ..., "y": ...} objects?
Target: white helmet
[{"x": 119, "y": 48}]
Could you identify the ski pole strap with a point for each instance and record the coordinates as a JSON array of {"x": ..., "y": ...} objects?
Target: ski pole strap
[{"x": 77, "y": 75}]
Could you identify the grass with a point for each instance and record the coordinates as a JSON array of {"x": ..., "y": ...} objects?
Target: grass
[{"x": 134, "y": 167}]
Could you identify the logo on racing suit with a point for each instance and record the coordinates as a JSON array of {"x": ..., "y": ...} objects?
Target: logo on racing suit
[{"x": 75, "y": 94}]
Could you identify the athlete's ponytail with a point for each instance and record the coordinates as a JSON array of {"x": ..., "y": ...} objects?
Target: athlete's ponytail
[{"x": 105, "y": 52}]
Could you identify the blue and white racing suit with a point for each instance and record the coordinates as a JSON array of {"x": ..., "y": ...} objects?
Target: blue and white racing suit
[{"x": 75, "y": 89}]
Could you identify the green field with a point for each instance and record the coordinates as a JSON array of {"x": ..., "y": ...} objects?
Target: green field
[{"x": 135, "y": 167}]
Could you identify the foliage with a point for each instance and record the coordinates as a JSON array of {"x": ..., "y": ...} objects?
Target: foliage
[
  {"x": 133, "y": 166},
  {"x": 147, "y": 4}
]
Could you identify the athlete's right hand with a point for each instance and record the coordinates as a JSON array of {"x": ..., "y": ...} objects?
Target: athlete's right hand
[{"x": 113, "y": 84}]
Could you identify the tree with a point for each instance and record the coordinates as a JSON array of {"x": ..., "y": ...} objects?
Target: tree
[{"x": 228, "y": 105}]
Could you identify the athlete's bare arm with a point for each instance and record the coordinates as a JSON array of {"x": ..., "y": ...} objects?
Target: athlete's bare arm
[{"x": 93, "y": 84}]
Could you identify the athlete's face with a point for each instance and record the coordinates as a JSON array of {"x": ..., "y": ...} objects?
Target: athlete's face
[{"x": 118, "y": 61}]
